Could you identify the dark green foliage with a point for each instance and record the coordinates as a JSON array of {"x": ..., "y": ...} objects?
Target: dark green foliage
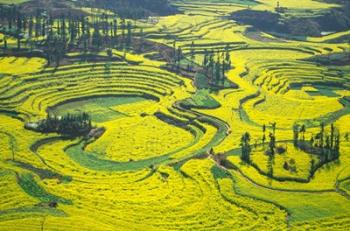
[
  {"x": 272, "y": 144},
  {"x": 64, "y": 33},
  {"x": 29, "y": 185},
  {"x": 295, "y": 134},
  {"x": 245, "y": 147},
  {"x": 332, "y": 59},
  {"x": 215, "y": 69},
  {"x": 71, "y": 124},
  {"x": 335, "y": 19},
  {"x": 219, "y": 173},
  {"x": 263, "y": 139},
  {"x": 325, "y": 145}
]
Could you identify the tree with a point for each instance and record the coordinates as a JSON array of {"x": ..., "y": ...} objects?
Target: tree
[
  {"x": 312, "y": 140},
  {"x": 142, "y": 39},
  {"x": 273, "y": 125},
  {"x": 332, "y": 136},
  {"x": 272, "y": 144},
  {"x": 302, "y": 131},
  {"x": 122, "y": 26},
  {"x": 223, "y": 69},
  {"x": 337, "y": 146},
  {"x": 30, "y": 27},
  {"x": 129, "y": 34},
  {"x": 174, "y": 48},
  {"x": 263, "y": 136},
  {"x": 217, "y": 72},
  {"x": 192, "y": 54},
  {"x": 270, "y": 162},
  {"x": 296, "y": 134},
  {"x": 96, "y": 38},
  {"x": 322, "y": 135},
  {"x": 205, "y": 59},
  {"x": 5, "y": 42},
  {"x": 245, "y": 147},
  {"x": 178, "y": 58},
  {"x": 115, "y": 28},
  {"x": 109, "y": 54},
  {"x": 227, "y": 58}
]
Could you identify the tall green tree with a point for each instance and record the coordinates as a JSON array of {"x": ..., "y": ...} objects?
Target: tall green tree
[
  {"x": 264, "y": 135},
  {"x": 302, "y": 131},
  {"x": 129, "y": 34},
  {"x": 245, "y": 147},
  {"x": 272, "y": 144}
]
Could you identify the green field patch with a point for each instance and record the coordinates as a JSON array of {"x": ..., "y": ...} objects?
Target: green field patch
[
  {"x": 324, "y": 91},
  {"x": 35, "y": 211},
  {"x": 92, "y": 161},
  {"x": 302, "y": 206},
  {"x": 219, "y": 173},
  {"x": 32, "y": 188},
  {"x": 101, "y": 109},
  {"x": 201, "y": 99},
  {"x": 201, "y": 81},
  {"x": 95, "y": 161}
]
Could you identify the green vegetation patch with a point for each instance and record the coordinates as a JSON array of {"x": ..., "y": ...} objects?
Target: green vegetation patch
[
  {"x": 201, "y": 99},
  {"x": 324, "y": 91},
  {"x": 29, "y": 185},
  {"x": 92, "y": 161},
  {"x": 219, "y": 173},
  {"x": 99, "y": 108},
  {"x": 30, "y": 212},
  {"x": 305, "y": 206}
]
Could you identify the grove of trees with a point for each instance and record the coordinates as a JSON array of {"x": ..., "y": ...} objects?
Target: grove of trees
[{"x": 56, "y": 36}]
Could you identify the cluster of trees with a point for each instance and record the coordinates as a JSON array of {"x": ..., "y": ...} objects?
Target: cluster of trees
[
  {"x": 334, "y": 19},
  {"x": 272, "y": 148},
  {"x": 56, "y": 36},
  {"x": 177, "y": 56},
  {"x": 215, "y": 69},
  {"x": 72, "y": 125},
  {"x": 214, "y": 65},
  {"x": 272, "y": 139},
  {"x": 245, "y": 147},
  {"x": 12, "y": 23},
  {"x": 324, "y": 144}
]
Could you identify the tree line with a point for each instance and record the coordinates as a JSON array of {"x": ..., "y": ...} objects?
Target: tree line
[
  {"x": 71, "y": 125},
  {"x": 213, "y": 67},
  {"x": 246, "y": 146},
  {"x": 325, "y": 145},
  {"x": 57, "y": 36}
]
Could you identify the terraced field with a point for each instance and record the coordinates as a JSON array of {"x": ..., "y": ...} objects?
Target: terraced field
[{"x": 170, "y": 155}]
